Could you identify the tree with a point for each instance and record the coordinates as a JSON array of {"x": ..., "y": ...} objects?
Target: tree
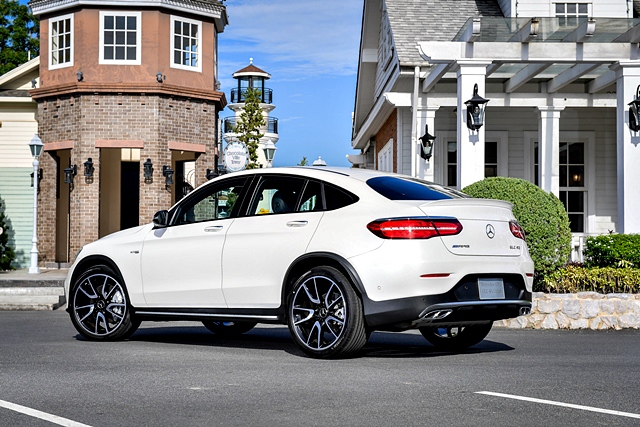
[
  {"x": 19, "y": 35},
  {"x": 303, "y": 162},
  {"x": 248, "y": 128},
  {"x": 6, "y": 252}
]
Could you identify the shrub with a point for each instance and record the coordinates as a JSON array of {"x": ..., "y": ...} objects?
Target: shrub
[
  {"x": 613, "y": 250},
  {"x": 6, "y": 251},
  {"x": 541, "y": 215},
  {"x": 605, "y": 280}
]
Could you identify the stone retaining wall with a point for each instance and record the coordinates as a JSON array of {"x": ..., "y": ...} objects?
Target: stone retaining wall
[{"x": 583, "y": 310}]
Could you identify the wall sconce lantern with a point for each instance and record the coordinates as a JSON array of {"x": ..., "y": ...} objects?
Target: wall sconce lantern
[
  {"x": 88, "y": 171},
  {"x": 475, "y": 110},
  {"x": 69, "y": 174},
  {"x": 40, "y": 176},
  {"x": 148, "y": 171},
  {"x": 426, "y": 143},
  {"x": 211, "y": 173},
  {"x": 159, "y": 77},
  {"x": 80, "y": 76},
  {"x": 168, "y": 175},
  {"x": 634, "y": 112}
]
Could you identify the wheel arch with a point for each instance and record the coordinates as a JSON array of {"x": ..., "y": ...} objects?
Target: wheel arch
[
  {"x": 92, "y": 261},
  {"x": 315, "y": 259}
]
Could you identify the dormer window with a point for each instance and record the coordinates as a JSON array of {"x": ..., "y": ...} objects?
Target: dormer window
[
  {"x": 186, "y": 39},
  {"x": 61, "y": 42},
  {"x": 120, "y": 38}
]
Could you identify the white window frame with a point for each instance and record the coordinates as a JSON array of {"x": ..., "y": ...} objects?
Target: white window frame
[
  {"x": 198, "y": 67},
  {"x": 502, "y": 138},
  {"x": 385, "y": 157},
  {"x": 138, "y": 59},
  {"x": 53, "y": 66},
  {"x": 589, "y": 139}
]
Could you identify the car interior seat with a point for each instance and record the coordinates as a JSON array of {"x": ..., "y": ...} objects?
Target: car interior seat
[{"x": 282, "y": 202}]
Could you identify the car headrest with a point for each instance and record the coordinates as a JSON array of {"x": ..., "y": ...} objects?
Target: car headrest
[{"x": 282, "y": 202}]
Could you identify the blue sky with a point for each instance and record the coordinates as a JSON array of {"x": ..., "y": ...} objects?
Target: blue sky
[{"x": 310, "y": 48}]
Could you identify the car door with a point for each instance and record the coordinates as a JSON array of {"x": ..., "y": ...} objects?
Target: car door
[
  {"x": 181, "y": 263},
  {"x": 281, "y": 219}
]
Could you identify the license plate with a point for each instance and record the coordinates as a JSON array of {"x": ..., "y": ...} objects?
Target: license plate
[{"x": 490, "y": 289}]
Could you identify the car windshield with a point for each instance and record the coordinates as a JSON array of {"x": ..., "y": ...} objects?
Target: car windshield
[{"x": 400, "y": 188}]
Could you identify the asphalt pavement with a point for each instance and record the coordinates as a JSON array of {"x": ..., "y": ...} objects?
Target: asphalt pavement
[{"x": 178, "y": 373}]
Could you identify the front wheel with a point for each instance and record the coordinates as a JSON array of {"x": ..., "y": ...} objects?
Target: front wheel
[
  {"x": 228, "y": 329},
  {"x": 456, "y": 337},
  {"x": 99, "y": 307},
  {"x": 325, "y": 314}
]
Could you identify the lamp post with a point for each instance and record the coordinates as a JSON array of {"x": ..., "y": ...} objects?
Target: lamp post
[
  {"x": 36, "y": 146},
  {"x": 269, "y": 152}
]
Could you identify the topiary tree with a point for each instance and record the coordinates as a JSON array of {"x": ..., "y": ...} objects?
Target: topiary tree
[
  {"x": 541, "y": 215},
  {"x": 6, "y": 252}
]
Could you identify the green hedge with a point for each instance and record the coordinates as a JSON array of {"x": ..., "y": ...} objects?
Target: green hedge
[
  {"x": 541, "y": 215},
  {"x": 612, "y": 250},
  {"x": 604, "y": 280}
]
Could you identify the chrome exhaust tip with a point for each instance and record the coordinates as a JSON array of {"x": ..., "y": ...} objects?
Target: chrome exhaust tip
[
  {"x": 524, "y": 311},
  {"x": 437, "y": 314}
]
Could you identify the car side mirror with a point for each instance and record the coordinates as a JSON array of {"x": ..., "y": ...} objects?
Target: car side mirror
[{"x": 161, "y": 219}]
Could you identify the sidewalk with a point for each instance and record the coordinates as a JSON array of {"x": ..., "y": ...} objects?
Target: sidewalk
[{"x": 20, "y": 290}]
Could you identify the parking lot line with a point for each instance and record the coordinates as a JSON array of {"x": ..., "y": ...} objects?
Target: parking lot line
[
  {"x": 566, "y": 405},
  {"x": 41, "y": 415}
]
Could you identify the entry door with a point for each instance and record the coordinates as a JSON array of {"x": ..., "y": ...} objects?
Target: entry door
[
  {"x": 129, "y": 195},
  {"x": 260, "y": 248},
  {"x": 181, "y": 264}
]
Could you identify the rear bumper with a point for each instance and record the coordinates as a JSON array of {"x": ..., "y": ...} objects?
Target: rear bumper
[{"x": 461, "y": 305}]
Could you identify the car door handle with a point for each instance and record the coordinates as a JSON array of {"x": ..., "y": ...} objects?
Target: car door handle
[
  {"x": 213, "y": 229},
  {"x": 297, "y": 223}
]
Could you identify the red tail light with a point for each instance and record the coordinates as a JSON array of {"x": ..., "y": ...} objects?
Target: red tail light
[
  {"x": 516, "y": 230},
  {"x": 414, "y": 228}
]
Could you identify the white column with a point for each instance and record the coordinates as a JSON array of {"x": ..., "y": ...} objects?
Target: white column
[
  {"x": 549, "y": 149},
  {"x": 470, "y": 143},
  {"x": 628, "y": 149},
  {"x": 426, "y": 116}
]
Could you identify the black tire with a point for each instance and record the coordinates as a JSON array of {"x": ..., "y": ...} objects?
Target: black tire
[
  {"x": 324, "y": 314},
  {"x": 456, "y": 337},
  {"x": 228, "y": 329},
  {"x": 99, "y": 305}
]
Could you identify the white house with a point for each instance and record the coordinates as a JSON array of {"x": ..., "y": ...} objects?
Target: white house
[
  {"x": 17, "y": 126},
  {"x": 559, "y": 77}
]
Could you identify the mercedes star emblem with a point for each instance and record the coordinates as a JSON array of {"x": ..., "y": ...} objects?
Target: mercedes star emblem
[{"x": 491, "y": 232}]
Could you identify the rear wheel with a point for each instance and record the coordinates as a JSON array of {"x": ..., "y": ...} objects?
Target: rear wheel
[
  {"x": 228, "y": 329},
  {"x": 456, "y": 337},
  {"x": 99, "y": 306},
  {"x": 325, "y": 314}
]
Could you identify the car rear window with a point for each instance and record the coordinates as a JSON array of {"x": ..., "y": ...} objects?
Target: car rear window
[{"x": 396, "y": 188}]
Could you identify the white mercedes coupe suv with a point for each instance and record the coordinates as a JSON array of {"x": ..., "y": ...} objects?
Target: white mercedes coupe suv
[{"x": 333, "y": 253}]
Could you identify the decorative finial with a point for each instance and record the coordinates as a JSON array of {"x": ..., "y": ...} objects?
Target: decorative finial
[{"x": 250, "y": 61}]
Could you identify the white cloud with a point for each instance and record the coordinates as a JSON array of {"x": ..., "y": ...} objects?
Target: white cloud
[{"x": 294, "y": 37}]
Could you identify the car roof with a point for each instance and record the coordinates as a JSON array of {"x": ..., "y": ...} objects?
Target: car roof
[{"x": 321, "y": 172}]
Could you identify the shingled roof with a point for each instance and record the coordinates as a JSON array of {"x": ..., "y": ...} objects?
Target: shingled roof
[{"x": 413, "y": 21}]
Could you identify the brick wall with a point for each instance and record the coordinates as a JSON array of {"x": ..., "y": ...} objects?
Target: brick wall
[
  {"x": 83, "y": 119},
  {"x": 389, "y": 130}
]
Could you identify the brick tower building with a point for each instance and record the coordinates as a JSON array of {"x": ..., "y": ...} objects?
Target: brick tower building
[{"x": 128, "y": 89}]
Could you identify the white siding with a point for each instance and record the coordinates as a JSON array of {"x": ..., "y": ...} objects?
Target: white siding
[
  {"x": 18, "y": 127},
  {"x": 506, "y": 7},
  {"x": 404, "y": 132},
  {"x": 599, "y": 8}
]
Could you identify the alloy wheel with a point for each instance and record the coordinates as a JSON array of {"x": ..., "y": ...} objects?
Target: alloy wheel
[{"x": 99, "y": 304}]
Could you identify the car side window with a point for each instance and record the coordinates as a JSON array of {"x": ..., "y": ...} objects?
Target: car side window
[
  {"x": 336, "y": 198},
  {"x": 311, "y": 197},
  {"x": 215, "y": 202},
  {"x": 276, "y": 195}
]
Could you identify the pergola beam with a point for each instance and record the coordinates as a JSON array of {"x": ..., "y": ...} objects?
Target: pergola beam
[
  {"x": 602, "y": 82},
  {"x": 569, "y": 76},
  {"x": 527, "y": 33},
  {"x": 583, "y": 33},
  {"x": 472, "y": 32},
  {"x": 524, "y": 75},
  {"x": 631, "y": 36},
  {"x": 437, "y": 72}
]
